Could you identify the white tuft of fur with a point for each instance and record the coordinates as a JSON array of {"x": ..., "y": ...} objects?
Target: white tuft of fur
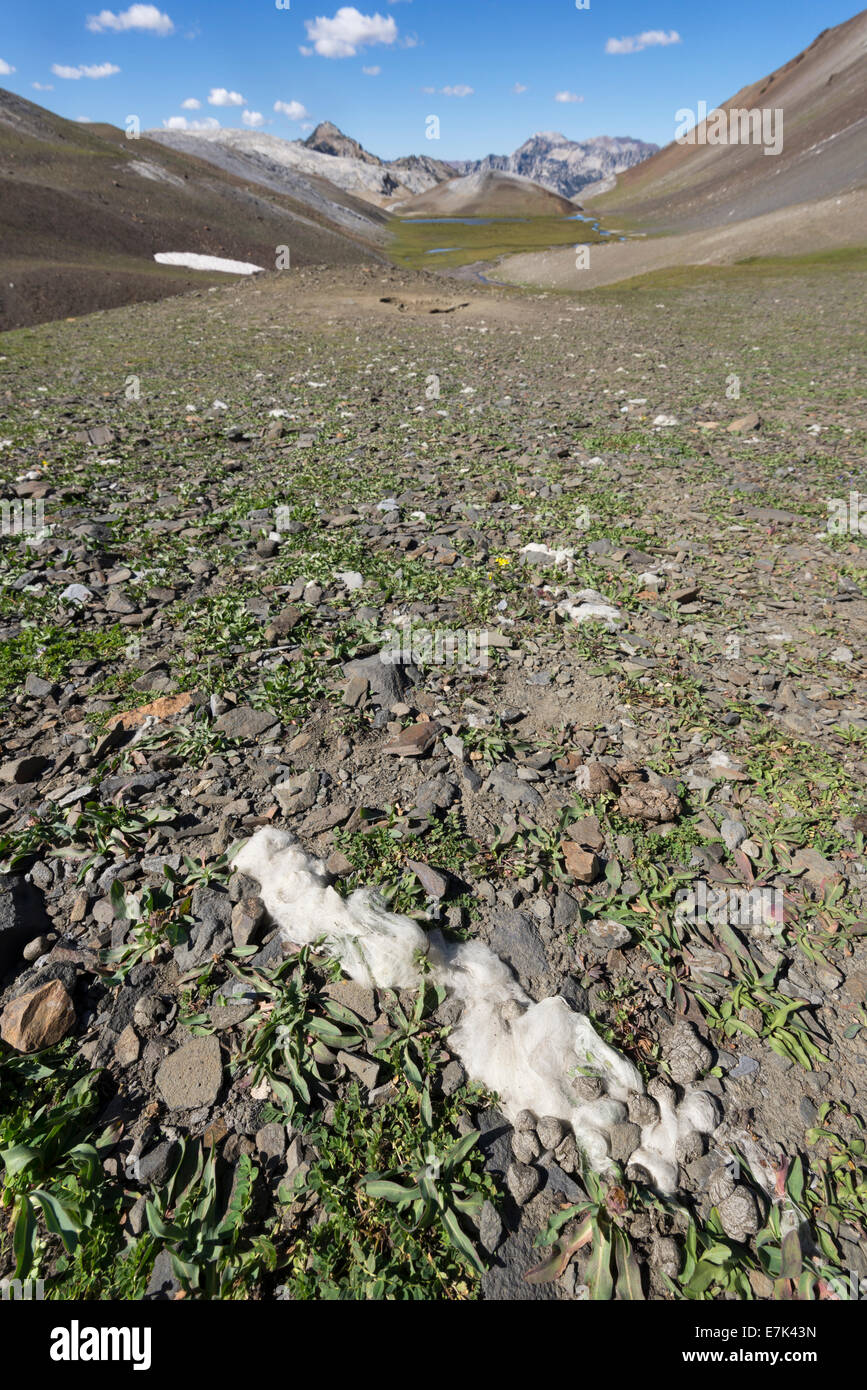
[{"x": 529, "y": 1053}]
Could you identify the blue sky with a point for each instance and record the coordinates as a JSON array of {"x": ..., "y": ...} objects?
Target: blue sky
[{"x": 493, "y": 71}]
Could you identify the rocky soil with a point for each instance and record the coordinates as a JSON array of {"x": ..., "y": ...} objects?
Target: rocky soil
[{"x": 646, "y": 797}]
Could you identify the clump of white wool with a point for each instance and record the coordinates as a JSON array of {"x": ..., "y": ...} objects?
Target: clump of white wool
[{"x": 529, "y": 1053}]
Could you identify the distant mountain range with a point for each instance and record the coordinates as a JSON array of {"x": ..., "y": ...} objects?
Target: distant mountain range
[
  {"x": 566, "y": 166},
  {"x": 563, "y": 166},
  {"x": 326, "y": 154}
]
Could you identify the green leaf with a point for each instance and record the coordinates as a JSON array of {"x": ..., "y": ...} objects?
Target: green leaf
[
  {"x": 385, "y": 1190},
  {"x": 22, "y": 1240},
  {"x": 163, "y": 1230},
  {"x": 426, "y": 1108},
  {"x": 458, "y": 1152},
  {"x": 795, "y": 1180},
  {"x": 791, "y": 1262},
  {"x": 598, "y": 1274},
  {"x": 18, "y": 1158},
  {"x": 61, "y": 1220},
  {"x": 460, "y": 1240},
  {"x": 628, "y": 1272}
]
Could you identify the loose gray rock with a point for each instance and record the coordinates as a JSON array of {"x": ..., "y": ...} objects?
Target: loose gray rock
[
  {"x": 643, "y": 1109},
  {"x": 191, "y": 1077},
  {"x": 739, "y": 1214},
  {"x": 490, "y": 1228},
  {"x": 525, "y": 1146},
  {"x": 550, "y": 1131},
  {"x": 523, "y": 1181},
  {"x": 687, "y": 1055},
  {"x": 624, "y": 1138},
  {"x": 245, "y": 723},
  {"x": 720, "y": 1185}
]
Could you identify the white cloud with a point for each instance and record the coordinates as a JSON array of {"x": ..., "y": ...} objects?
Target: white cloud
[
  {"x": 145, "y": 17},
  {"x": 518, "y": 88},
  {"x": 83, "y": 120},
  {"x": 43, "y": 86},
  {"x": 349, "y": 30},
  {"x": 252, "y": 119},
  {"x": 567, "y": 96},
  {"x": 375, "y": 71},
  {"x": 461, "y": 90},
  {"x": 5, "y": 68},
  {"x": 86, "y": 70},
  {"x": 305, "y": 51},
  {"x": 191, "y": 104},
  {"x": 634, "y": 43},
  {"x": 218, "y": 96},
  {"x": 292, "y": 109},
  {"x": 429, "y": 91},
  {"x": 181, "y": 123}
]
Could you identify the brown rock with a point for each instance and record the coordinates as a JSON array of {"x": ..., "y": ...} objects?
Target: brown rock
[
  {"x": 582, "y": 864},
  {"x": 283, "y": 624},
  {"x": 247, "y": 918},
  {"x": 38, "y": 1019},
  {"x": 413, "y": 741},
  {"x": 594, "y": 779},
  {"x": 744, "y": 423},
  {"x": 164, "y": 708},
  {"x": 653, "y": 805},
  {"x": 126, "y": 1049}
]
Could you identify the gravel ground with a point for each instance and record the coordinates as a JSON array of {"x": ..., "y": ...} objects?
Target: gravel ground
[{"x": 645, "y": 796}]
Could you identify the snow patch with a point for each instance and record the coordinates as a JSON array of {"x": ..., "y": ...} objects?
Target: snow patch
[{"x": 193, "y": 261}]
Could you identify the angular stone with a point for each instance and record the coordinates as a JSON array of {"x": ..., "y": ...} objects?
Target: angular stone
[
  {"x": 608, "y": 933},
  {"x": 38, "y": 1019},
  {"x": 386, "y": 680},
  {"x": 582, "y": 864},
  {"x": 587, "y": 832},
  {"x": 358, "y": 998},
  {"x": 283, "y": 624},
  {"x": 298, "y": 793},
  {"x": 625, "y": 1138},
  {"x": 523, "y": 1181},
  {"x": 413, "y": 741},
  {"x": 271, "y": 1140},
  {"x": 23, "y": 770},
  {"x": 434, "y": 883},
  {"x": 126, "y": 1049},
  {"x": 164, "y": 708},
  {"x": 245, "y": 722},
  {"x": 593, "y": 779},
  {"x": 516, "y": 940},
  {"x": 248, "y": 916}
]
